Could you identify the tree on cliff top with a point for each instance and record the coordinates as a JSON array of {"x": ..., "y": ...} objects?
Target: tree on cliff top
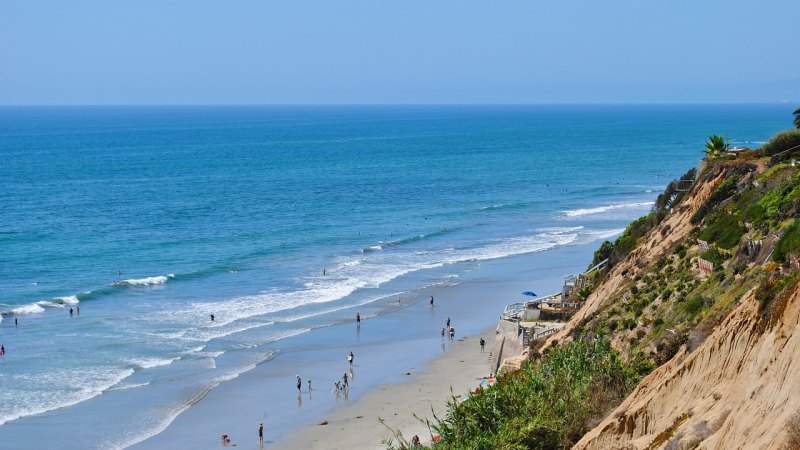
[
  {"x": 797, "y": 117},
  {"x": 715, "y": 145}
]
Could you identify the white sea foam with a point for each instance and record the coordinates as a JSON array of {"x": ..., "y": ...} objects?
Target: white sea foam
[
  {"x": 497, "y": 206},
  {"x": 559, "y": 230},
  {"x": 59, "y": 302},
  {"x": 149, "y": 363},
  {"x": 175, "y": 412},
  {"x": 66, "y": 387},
  {"x": 601, "y": 209},
  {"x": 604, "y": 234},
  {"x": 147, "y": 281},
  {"x": 125, "y": 386},
  {"x": 68, "y": 300},
  {"x": 32, "y": 308}
]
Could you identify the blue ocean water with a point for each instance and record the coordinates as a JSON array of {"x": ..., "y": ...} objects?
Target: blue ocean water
[{"x": 150, "y": 219}]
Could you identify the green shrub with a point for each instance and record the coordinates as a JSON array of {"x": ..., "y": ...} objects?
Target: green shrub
[
  {"x": 788, "y": 244},
  {"x": 602, "y": 253},
  {"x": 694, "y": 305},
  {"x": 714, "y": 256},
  {"x": 548, "y": 405},
  {"x": 723, "y": 229},
  {"x": 781, "y": 142},
  {"x": 776, "y": 203}
]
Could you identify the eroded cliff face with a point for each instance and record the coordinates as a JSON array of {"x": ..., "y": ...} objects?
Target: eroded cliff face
[
  {"x": 736, "y": 387},
  {"x": 737, "y": 390},
  {"x": 656, "y": 245}
]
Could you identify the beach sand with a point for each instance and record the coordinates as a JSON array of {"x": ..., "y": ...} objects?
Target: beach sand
[
  {"x": 400, "y": 339},
  {"x": 357, "y": 426}
]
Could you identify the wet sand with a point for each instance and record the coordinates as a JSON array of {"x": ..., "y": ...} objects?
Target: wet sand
[
  {"x": 356, "y": 426},
  {"x": 400, "y": 339}
]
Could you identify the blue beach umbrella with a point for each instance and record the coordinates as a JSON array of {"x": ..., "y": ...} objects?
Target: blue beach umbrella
[{"x": 532, "y": 294}]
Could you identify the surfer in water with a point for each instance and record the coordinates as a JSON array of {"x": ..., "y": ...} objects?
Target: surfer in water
[{"x": 212, "y": 317}]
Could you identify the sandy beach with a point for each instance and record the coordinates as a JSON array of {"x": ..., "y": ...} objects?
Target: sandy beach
[
  {"x": 401, "y": 339},
  {"x": 357, "y": 426}
]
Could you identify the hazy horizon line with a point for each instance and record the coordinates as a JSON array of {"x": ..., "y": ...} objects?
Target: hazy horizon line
[{"x": 776, "y": 102}]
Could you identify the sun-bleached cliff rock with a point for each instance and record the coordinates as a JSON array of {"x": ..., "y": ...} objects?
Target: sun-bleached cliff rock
[
  {"x": 739, "y": 389},
  {"x": 736, "y": 383}
]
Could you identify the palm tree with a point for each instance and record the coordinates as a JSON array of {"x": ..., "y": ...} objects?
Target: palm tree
[
  {"x": 715, "y": 145},
  {"x": 797, "y": 117}
]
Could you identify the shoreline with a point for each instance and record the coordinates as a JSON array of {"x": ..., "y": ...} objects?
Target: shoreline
[
  {"x": 387, "y": 347},
  {"x": 424, "y": 394}
]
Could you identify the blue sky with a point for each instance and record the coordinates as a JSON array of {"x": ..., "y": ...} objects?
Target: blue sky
[{"x": 374, "y": 51}]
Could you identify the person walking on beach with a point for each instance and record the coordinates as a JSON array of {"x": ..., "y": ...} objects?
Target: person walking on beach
[
  {"x": 358, "y": 319},
  {"x": 308, "y": 382},
  {"x": 442, "y": 333},
  {"x": 299, "y": 383},
  {"x": 344, "y": 378},
  {"x": 452, "y": 333},
  {"x": 482, "y": 344},
  {"x": 448, "y": 322},
  {"x": 431, "y": 301},
  {"x": 261, "y": 434},
  {"x": 350, "y": 358}
]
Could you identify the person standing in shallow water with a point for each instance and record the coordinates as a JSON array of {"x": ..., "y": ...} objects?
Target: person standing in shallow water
[
  {"x": 431, "y": 300},
  {"x": 261, "y": 434},
  {"x": 358, "y": 319},
  {"x": 299, "y": 383}
]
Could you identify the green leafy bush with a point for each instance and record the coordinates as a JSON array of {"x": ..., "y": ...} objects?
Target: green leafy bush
[
  {"x": 781, "y": 142},
  {"x": 777, "y": 203},
  {"x": 723, "y": 229},
  {"x": 694, "y": 305},
  {"x": 548, "y": 405},
  {"x": 714, "y": 256},
  {"x": 788, "y": 244}
]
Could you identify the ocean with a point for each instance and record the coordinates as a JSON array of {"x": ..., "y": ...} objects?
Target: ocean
[{"x": 282, "y": 221}]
